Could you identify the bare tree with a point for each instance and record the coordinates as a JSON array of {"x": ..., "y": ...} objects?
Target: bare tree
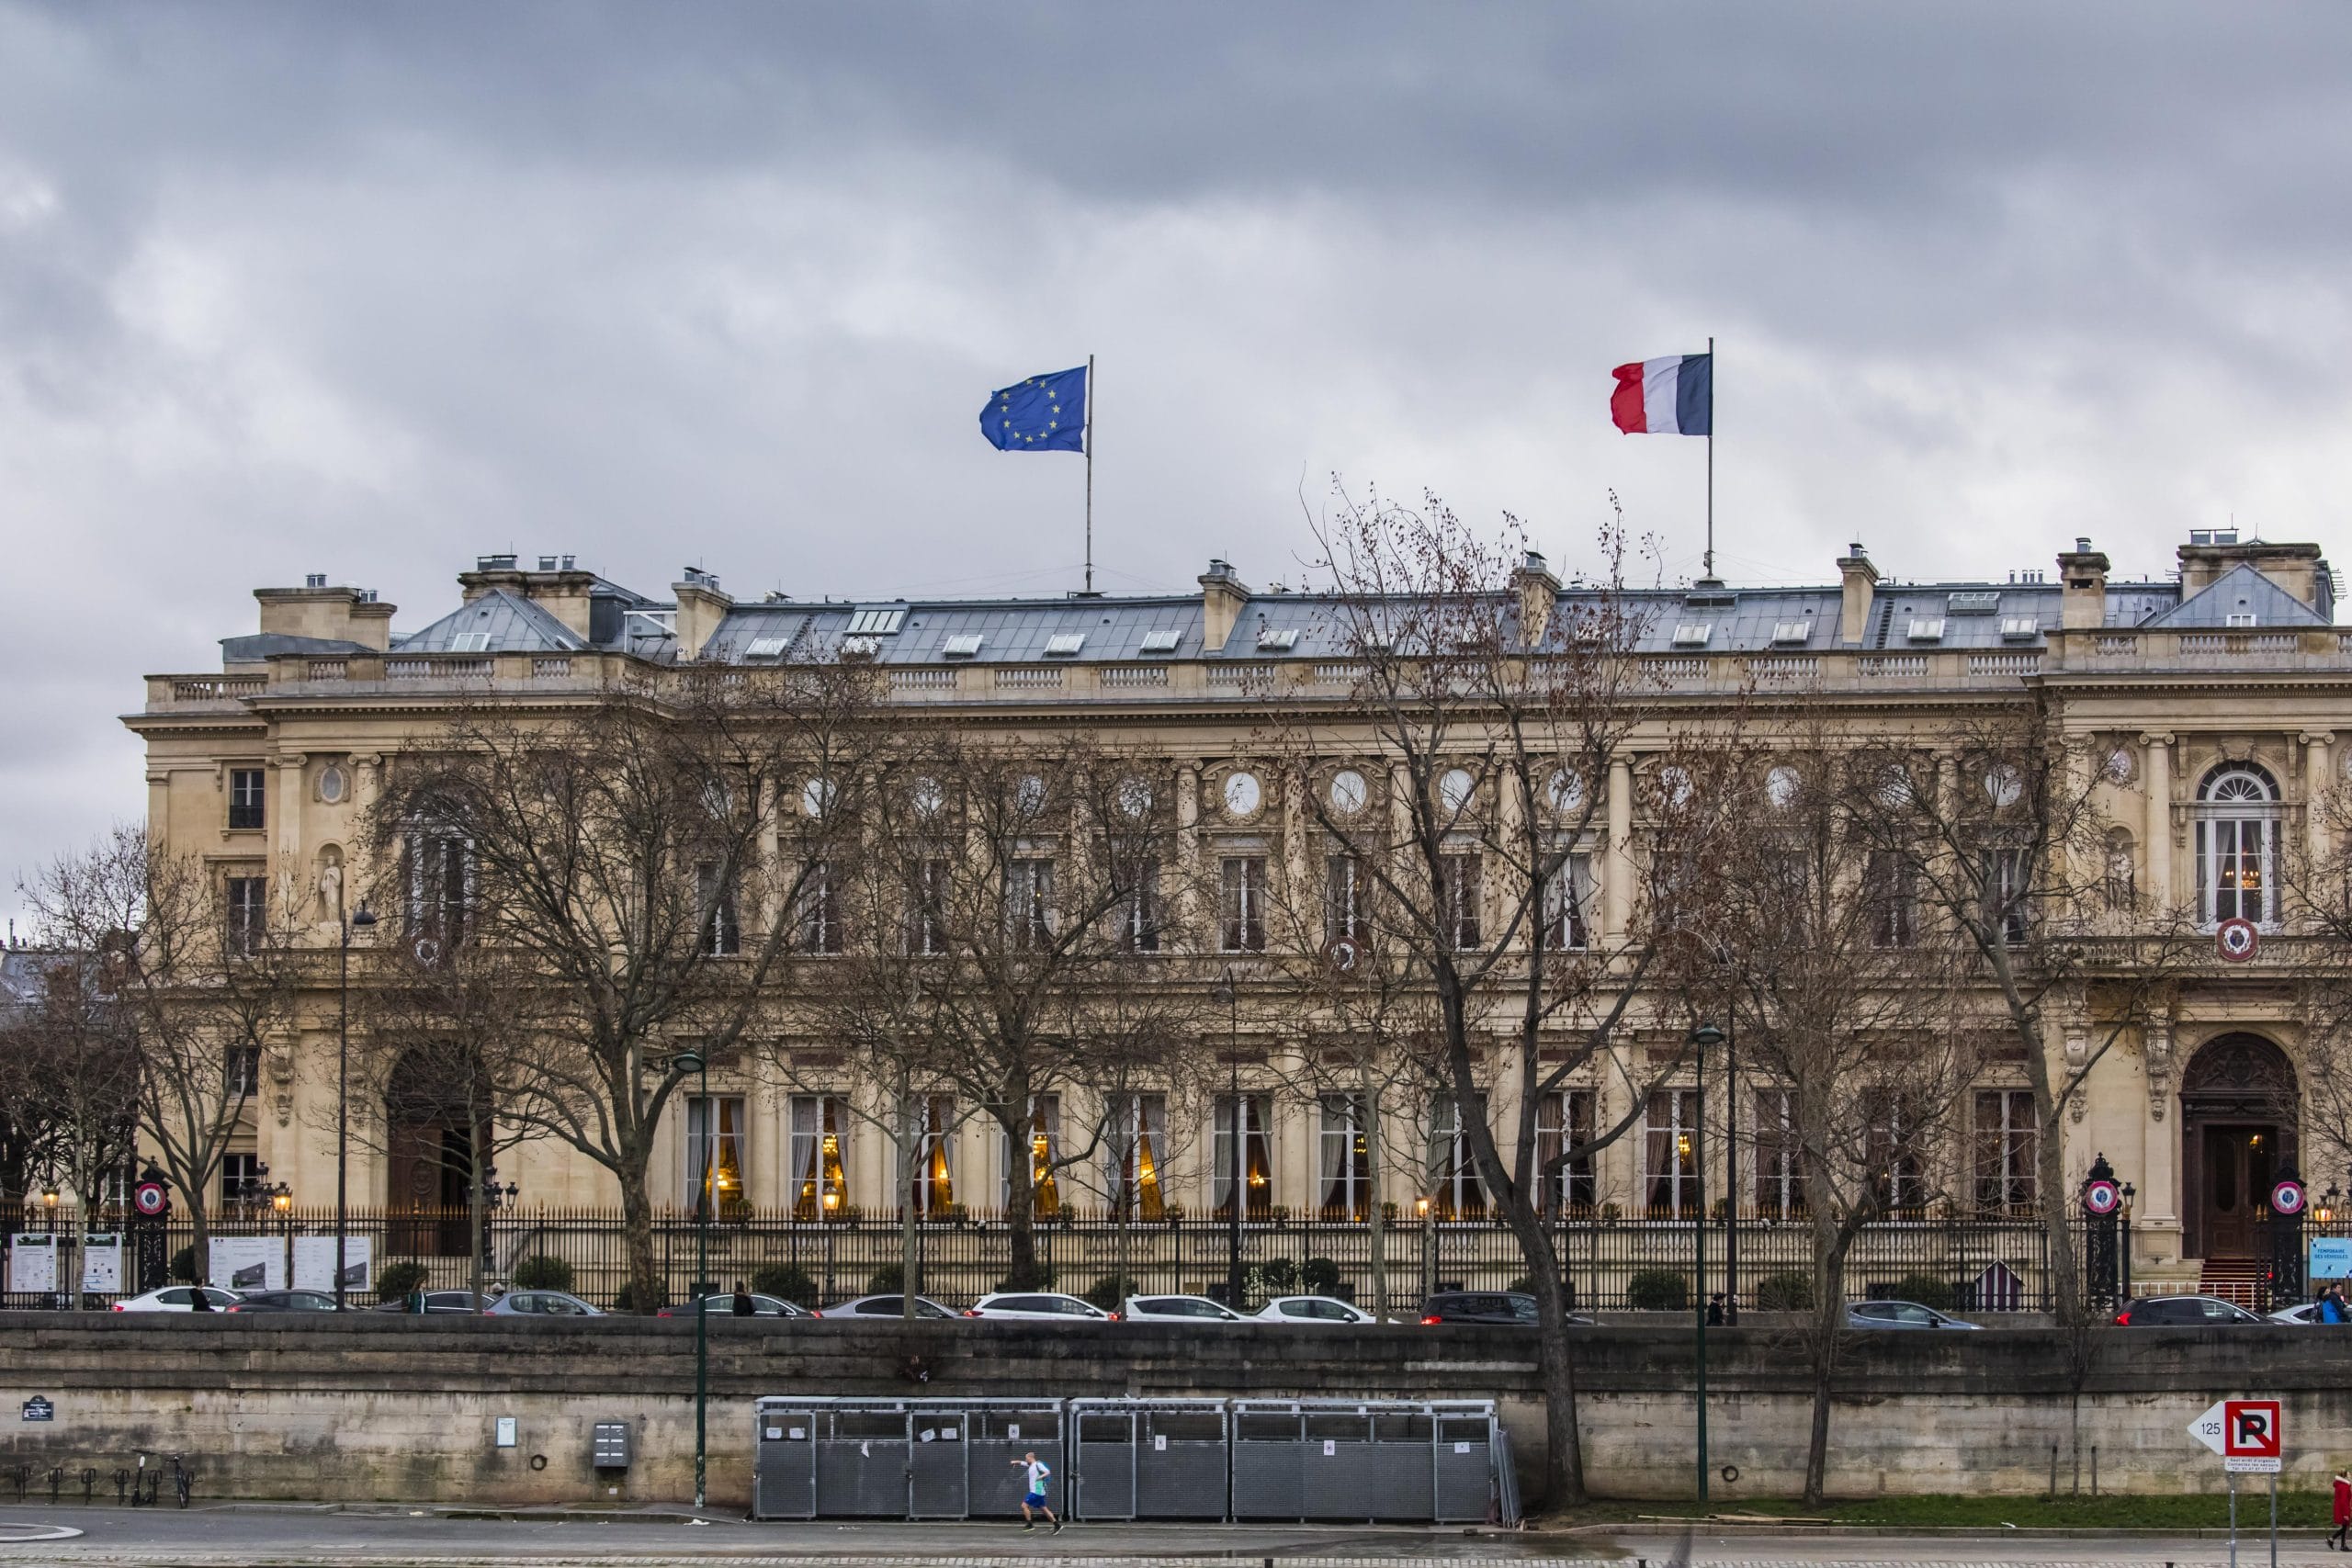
[
  {"x": 1488, "y": 721},
  {"x": 28, "y": 1122},
  {"x": 2316, "y": 884},
  {"x": 642, "y": 854}
]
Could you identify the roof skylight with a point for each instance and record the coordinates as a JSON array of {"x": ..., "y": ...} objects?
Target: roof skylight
[
  {"x": 1926, "y": 630},
  {"x": 876, "y": 623},
  {"x": 1973, "y": 601},
  {"x": 1163, "y": 641},
  {"x": 1276, "y": 638},
  {"x": 1791, "y": 632},
  {"x": 963, "y": 645},
  {"x": 766, "y": 648},
  {"x": 2021, "y": 628},
  {"x": 1063, "y": 645},
  {"x": 1693, "y": 634}
]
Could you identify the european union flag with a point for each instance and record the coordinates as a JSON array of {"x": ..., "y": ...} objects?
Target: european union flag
[{"x": 1045, "y": 414}]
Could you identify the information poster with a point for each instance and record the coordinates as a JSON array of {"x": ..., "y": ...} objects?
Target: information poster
[
  {"x": 314, "y": 1263},
  {"x": 2331, "y": 1257},
  {"x": 32, "y": 1263},
  {"x": 248, "y": 1263},
  {"x": 101, "y": 1263}
]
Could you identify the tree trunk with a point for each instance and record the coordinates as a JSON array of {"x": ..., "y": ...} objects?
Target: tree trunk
[
  {"x": 1828, "y": 1323},
  {"x": 82, "y": 1250},
  {"x": 909, "y": 1174},
  {"x": 474, "y": 1230},
  {"x": 1021, "y": 1208},
  {"x": 648, "y": 1293},
  {"x": 1563, "y": 1456},
  {"x": 1375, "y": 1215}
]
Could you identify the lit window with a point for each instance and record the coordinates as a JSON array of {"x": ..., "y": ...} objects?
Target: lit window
[
  {"x": 714, "y": 1155},
  {"x": 2237, "y": 846}
]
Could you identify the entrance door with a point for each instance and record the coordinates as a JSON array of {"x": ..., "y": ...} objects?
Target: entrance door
[{"x": 2239, "y": 1161}]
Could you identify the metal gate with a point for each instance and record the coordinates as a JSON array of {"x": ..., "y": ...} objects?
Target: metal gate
[
  {"x": 1152, "y": 1458},
  {"x": 784, "y": 1463},
  {"x": 1380, "y": 1460},
  {"x": 901, "y": 1458}
]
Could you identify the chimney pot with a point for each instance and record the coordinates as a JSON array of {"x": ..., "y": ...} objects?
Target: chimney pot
[{"x": 546, "y": 563}]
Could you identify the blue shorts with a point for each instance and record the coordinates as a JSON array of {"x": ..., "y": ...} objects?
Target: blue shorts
[{"x": 1034, "y": 1500}]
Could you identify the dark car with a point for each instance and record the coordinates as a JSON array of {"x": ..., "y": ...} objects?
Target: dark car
[
  {"x": 1481, "y": 1306},
  {"x": 284, "y": 1301},
  {"x": 2184, "y": 1312}
]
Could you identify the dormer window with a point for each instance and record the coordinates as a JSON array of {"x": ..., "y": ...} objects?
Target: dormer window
[
  {"x": 1277, "y": 639},
  {"x": 1693, "y": 634},
  {"x": 1065, "y": 645},
  {"x": 963, "y": 645},
  {"x": 470, "y": 642},
  {"x": 1791, "y": 634},
  {"x": 1973, "y": 602},
  {"x": 1926, "y": 630},
  {"x": 766, "y": 648},
  {"x": 2242, "y": 618}
]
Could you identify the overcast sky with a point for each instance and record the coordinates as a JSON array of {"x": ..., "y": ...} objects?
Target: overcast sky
[{"x": 370, "y": 290}]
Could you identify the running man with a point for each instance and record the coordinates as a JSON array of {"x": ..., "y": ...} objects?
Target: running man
[{"x": 1037, "y": 1470}]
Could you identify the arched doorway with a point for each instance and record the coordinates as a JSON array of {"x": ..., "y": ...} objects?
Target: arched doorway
[
  {"x": 428, "y": 1150},
  {"x": 2237, "y": 1129}
]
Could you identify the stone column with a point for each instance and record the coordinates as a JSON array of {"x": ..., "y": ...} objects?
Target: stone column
[
  {"x": 359, "y": 869},
  {"x": 2158, "y": 826},
  {"x": 2159, "y": 1197},
  {"x": 290, "y": 821},
  {"x": 159, "y": 806},
  {"x": 2318, "y": 749},
  {"x": 1189, "y": 912},
  {"x": 1617, "y": 860}
]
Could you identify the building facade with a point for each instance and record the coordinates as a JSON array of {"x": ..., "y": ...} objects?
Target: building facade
[{"x": 2214, "y": 704}]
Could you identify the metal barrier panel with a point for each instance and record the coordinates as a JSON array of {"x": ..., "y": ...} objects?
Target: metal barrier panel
[
  {"x": 861, "y": 1462},
  {"x": 999, "y": 1434},
  {"x": 1269, "y": 1463},
  {"x": 1467, "y": 1454},
  {"x": 1394, "y": 1468},
  {"x": 1103, "y": 1462},
  {"x": 939, "y": 1478},
  {"x": 1182, "y": 1454},
  {"x": 783, "y": 1463}
]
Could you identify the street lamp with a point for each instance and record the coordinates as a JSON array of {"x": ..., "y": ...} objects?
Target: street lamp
[
  {"x": 1224, "y": 991},
  {"x": 1702, "y": 1037},
  {"x": 361, "y": 919},
  {"x": 691, "y": 1060}
]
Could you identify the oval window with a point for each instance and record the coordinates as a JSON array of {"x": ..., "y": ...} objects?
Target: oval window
[
  {"x": 1453, "y": 790},
  {"x": 332, "y": 784},
  {"x": 1349, "y": 792},
  {"x": 1567, "y": 790},
  {"x": 1781, "y": 786},
  {"x": 1135, "y": 797},
  {"x": 1241, "y": 794}
]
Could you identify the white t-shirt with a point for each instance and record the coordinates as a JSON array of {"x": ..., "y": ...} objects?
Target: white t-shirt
[{"x": 1038, "y": 1470}]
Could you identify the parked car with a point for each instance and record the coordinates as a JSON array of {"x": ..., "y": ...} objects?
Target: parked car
[
  {"x": 542, "y": 1303},
  {"x": 176, "y": 1298},
  {"x": 2304, "y": 1314},
  {"x": 886, "y": 1306},
  {"x": 1899, "y": 1314},
  {"x": 722, "y": 1305},
  {"x": 2183, "y": 1312},
  {"x": 438, "y": 1301},
  {"x": 284, "y": 1301},
  {"x": 1039, "y": 1306},
  {"x": 1316, "y": 1311},
  {"x": 1516, "y": 1307},
  {"x": 1168, "y": 1309}
]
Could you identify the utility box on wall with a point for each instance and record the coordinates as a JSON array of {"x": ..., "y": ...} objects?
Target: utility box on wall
[{"x": 610, "y": 1445}]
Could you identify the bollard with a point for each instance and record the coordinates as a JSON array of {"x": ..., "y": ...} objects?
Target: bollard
[
  {"x": 56, "y": 1480},
  {"x": 2093, "y": 1470},
  {"x": 89, "y": 1483},
  {"x": 121, "y": 1485}
]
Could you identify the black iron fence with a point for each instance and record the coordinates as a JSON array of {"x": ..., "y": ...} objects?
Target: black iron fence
[{"x": 1953, "y": 1259}]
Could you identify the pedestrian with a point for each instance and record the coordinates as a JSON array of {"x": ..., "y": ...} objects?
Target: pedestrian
[
  {"x": 2340, "y": 1541},
  {"x": 745, "y": 1305},
  {"x": 1034, "y": 1498},
  {"x": 2331, "y": 1304},
  {"x": 2343, "y": 1306},
  {"x": 198, "y": 1301}
]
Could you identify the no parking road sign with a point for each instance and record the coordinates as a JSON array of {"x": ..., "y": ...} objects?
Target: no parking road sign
[{"x": 2246, "y": 1433}]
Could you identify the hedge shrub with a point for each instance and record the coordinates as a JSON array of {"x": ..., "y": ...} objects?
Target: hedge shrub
[
  {"x": 540, "y": 1272},
  {"x": 1658, "y": 1290}
]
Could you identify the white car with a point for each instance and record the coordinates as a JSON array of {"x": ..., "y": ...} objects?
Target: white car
[
  {"x": 1039, "y": 1306},
  {"x": 178, "y": 1298},
  {"x": 1171, "y": 1309},
  {"x": 1317, "y": 1310}
]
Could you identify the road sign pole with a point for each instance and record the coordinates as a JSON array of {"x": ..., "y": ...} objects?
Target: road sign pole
[
  {"x": 2274, "y": 1519},
  {"x": 2233, "y": 1519}
]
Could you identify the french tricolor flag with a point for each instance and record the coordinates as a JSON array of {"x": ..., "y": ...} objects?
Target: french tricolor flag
[{"x": 1666, "y": 397}]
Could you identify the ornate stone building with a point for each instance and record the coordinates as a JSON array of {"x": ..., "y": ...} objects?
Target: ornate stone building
[{"x": 2213, "y": 702}]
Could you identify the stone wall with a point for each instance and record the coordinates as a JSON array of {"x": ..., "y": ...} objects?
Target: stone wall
[{"x": 372, "y": 1407}]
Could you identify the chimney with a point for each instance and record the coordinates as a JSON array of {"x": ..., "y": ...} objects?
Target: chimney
[
  {"x": 336, "y": 613},
  {"x": 701, "y": 606},
  {"x": 2211, "y": 552},
  {"x": 1538, "y": 592},
  {"x": 1859, "y": 577},
  {"x": 2081, "y": 576},
  {"x": 1222, "y": 598}
]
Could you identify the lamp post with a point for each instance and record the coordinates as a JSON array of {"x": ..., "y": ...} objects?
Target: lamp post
[
  {"x": 362, "y": 920},
  {"x": 1731, "y": 1175},
  {"x": 1226, "y": 992},
  {"x": 1704, "y": 1035},
  {"x": 692, "y": 1060}
]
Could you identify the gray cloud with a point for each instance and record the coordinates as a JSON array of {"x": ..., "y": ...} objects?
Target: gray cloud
[{"x": 289, "y": 287}]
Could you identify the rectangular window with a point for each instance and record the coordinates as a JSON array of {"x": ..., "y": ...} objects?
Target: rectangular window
[
  {"x": 2006, "y": 887},
  {"x": 1780, "y": 1163},
  {"x": 714, "y": 1156},
  {"x": 934, "y": 1190},
  {"x": 1461, "y": 887},
  {"x": 248, "y": 789},
  {"x": 1892, "y": 895},
  {"x": 819, "y": 1155},
  {"x": 723, "y": 927},
  {"x": 1568, "y": 905},
  {"x": 1141, "y": 918},
  {"x": 2008, "y": 1139},
  {"x": 821, "y": 910},
  {"x": 241, "y": 1073},
  {"x": 239, "y": 1177},
  {"x": 927, "y": 886},
  {"x": 1044, "y": 1151},
  {"x": 1457, "y": 1192},
  {"x": 1343, "y": 1163},
  {"x": 440, "y": 891},
  {"x": 1345, "y": 899},
  {"x": 1242, "y": 904},
  {"x": 1134, "y": 1138},
  {"x": 1896, "y": 1150},
  {"x": 1564, "y": 1123},
  {"x": 1671, "y": 1153},
  {"x": 2232, "y": 867},
  {"x": 248, "y": 905},
  {"x": 1247, "y": 1163},
  {"x": 1029, "y": 905}
]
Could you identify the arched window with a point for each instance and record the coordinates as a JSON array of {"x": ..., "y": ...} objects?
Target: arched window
[{"x": 2237, "y": 845}]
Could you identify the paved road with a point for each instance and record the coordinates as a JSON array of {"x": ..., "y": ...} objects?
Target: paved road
[{"x": 221, "y": 1536}]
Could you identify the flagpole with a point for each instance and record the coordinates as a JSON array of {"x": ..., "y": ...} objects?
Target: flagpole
[
  {"x": 1710, "y": 568},
  {"x": 1089, "y": 439}
]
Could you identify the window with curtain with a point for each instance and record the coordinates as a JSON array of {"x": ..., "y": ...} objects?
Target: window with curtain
[
  {"x": 934, "y": 1186},
  {"x": 1029, "y": 905},
  {"x": 247, "y": 898},
  {"x": 1568, "y": 906},
  {"x": 1456, "y": 1192},
  {"x": 1780, "y": 1163},
  {"x": 714, "y": 1168},
  {"x": 1140, "y": 915},
  {"x": 2008, "y": 1141},
  {"x": 1242, "y": 1154},
  {"x": 821, "y": 910},
  {"x": 1343, "y": 1163},
  {"x": 1461, "y": 891},
  {"x": 1041, "y": 1147},
  {"x": 1897, "y": 1149},
  {"x": 819, "y": 1155},
  {"x": 1891, "y": 897},
  {"x": 439, "y": 896},
  {"x": 1345, "y": 895},
  {"x": 1241, "y": 925},
  {"x": 2007, "y": 874},
  {"x": 248, "y": 796},
  {"x": 1563, "y": 1122},
  {"x": 1133, "y": 1138},
  {"x": 927, "y": 886},
  {"x": 1671, "y": 1153},
  {"x": 723, "y": 927},
  {"x": 2237, "y": 846}
]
